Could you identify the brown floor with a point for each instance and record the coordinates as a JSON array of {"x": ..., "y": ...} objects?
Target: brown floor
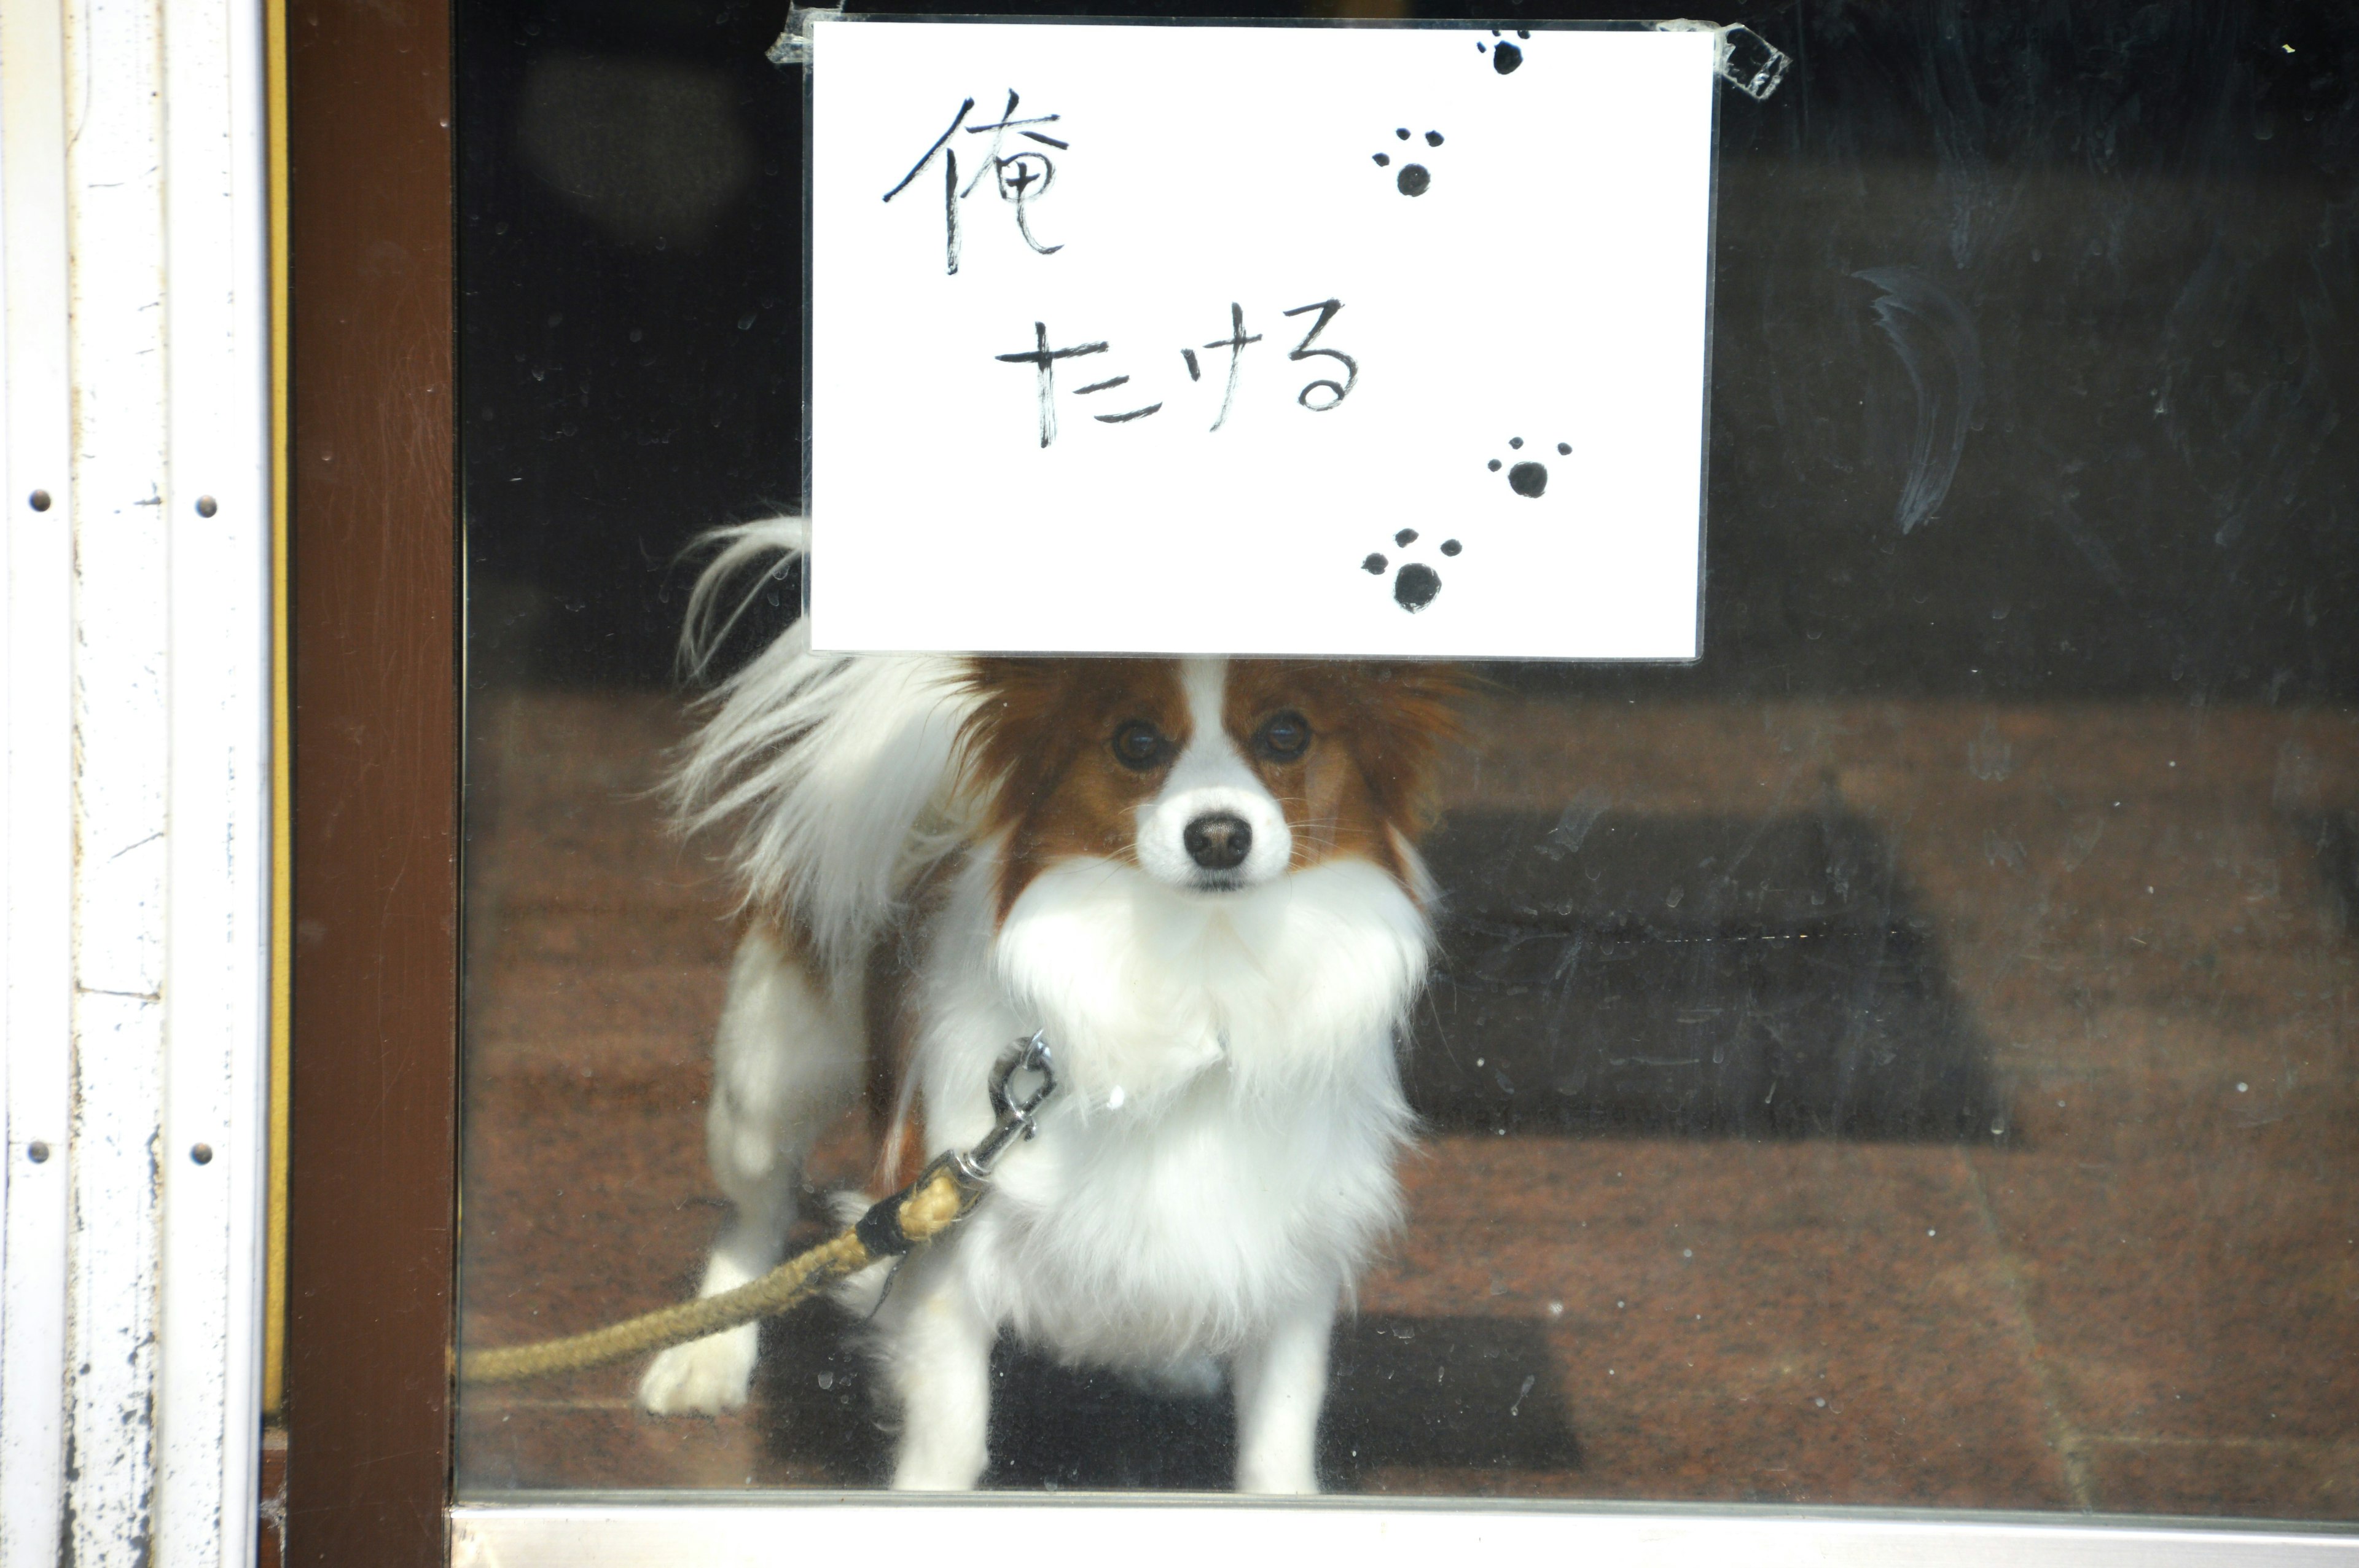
[{"x": 2145, "y": 1299}]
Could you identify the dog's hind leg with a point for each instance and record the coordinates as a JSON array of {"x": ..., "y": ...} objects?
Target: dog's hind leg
[
  {"x": 1281, "y": 1383},
  {"x": 786, "y": 1060}
]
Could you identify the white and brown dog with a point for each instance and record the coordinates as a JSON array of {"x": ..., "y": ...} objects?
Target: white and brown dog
[{"x": 1198, "y": 876}]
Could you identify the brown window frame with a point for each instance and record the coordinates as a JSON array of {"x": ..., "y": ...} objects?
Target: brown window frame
[{"x": 374, "y": 631}]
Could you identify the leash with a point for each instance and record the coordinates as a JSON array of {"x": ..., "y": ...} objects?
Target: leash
[{"x": 944, "y": 1193}]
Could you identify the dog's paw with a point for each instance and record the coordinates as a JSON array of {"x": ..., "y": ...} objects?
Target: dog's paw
[
  {"x": 704, "y": 1377},
  {"x": 939, "y": 1467},
  {"x": 1284, "y": 1479}
]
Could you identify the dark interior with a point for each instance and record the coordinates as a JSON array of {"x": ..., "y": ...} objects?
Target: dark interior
[{"x": 2031, "y": 334}]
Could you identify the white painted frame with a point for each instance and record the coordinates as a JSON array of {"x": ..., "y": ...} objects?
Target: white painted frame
[
  {"x": 132, "y": 211},
  {"x": 36, "y": 955},
  {"x": 763, "y": 1532}
]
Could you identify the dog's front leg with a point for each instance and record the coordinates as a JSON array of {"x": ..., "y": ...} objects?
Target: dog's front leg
[
  {"x": 1281, "y": 1383},
  {"x": 937, "y": 1362}
]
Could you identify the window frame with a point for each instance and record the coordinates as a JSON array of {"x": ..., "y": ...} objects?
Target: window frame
[{"x": 375, "y": 622}]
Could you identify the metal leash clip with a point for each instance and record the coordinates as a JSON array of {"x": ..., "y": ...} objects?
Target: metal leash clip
[
  {"x": 957, "y": 1179},
  {"x": 1017, "y": 1116}
]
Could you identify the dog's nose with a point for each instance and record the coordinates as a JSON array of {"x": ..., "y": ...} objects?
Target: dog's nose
[{"x": 1218, "y": 841}]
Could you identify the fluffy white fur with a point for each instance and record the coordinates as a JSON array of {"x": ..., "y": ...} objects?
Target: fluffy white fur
[
  {"x": 834, "y": 770},
  {"x": 1220, "y": 1160}
]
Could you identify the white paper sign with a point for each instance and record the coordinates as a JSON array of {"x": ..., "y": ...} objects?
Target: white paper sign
[{"x": 1287, "y": 340}]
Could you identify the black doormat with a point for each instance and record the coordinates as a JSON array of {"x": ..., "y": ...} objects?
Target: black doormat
[
  {"x": 1608, "y": 971},
  {"x": 2334, "y": 838},
  {"x": 1425, "y": 1393}
]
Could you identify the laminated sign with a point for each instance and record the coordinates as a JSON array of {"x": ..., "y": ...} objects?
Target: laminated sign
[{"x": 1166, "y": 339}]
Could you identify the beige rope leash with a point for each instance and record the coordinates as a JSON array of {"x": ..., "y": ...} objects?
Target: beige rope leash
[{"x": 943, "y": 1194}]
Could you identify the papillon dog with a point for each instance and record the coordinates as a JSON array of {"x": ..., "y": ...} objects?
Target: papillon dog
[{"x": 1197, "y": 876}]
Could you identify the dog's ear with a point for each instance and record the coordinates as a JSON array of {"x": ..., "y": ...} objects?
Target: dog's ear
[
  {"x": 1010, "y": 741},
  {"x": 1419, "y": 713},
  {"x": 1404, "y": 718},
  {"x": 1008, "y": 693}
]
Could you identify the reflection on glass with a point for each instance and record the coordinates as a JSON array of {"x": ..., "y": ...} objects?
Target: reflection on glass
[{"x": 1903, "y": 1058}]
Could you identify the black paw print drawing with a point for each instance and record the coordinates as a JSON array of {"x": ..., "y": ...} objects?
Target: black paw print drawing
[
  {"x": 1414, "y": 583},
  {"x": 1527, "y": 478},
  {"x": 1415, "y": 179},
  {"x": 1505, "y": 56}
]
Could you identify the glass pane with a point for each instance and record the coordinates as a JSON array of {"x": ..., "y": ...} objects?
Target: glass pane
[{"x": 1904, "y": 1057}]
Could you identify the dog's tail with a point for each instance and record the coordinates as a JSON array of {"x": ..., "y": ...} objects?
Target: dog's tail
[{"x": 836, "y": 773}]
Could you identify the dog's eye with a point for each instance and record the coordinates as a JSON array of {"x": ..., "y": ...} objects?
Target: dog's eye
[
  {"x": 1139, "y": 745},
  {"x": 1284, "y": 738}
]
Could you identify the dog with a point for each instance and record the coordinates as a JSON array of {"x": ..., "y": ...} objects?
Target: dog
[{"x": 1199, "y": 877}]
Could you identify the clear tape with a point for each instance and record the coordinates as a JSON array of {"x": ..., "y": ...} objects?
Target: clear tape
[
  {"x": 793, "y": 46},
  {"x": 1741, "y": 58}
]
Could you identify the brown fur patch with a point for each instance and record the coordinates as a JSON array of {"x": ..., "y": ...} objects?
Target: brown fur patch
[
  {"x": 900, "y": 1155},
  {"x": 896, "y": 1120},
  {"x": 1364, "y": 784},
  {"x": 895, "y": 1133}
]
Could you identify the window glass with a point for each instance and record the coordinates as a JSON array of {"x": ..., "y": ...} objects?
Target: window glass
[{"x": 1904, "y": 1056}]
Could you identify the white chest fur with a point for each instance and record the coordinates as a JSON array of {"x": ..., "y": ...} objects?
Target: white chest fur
[{"x": 1222, "y": 1145}]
